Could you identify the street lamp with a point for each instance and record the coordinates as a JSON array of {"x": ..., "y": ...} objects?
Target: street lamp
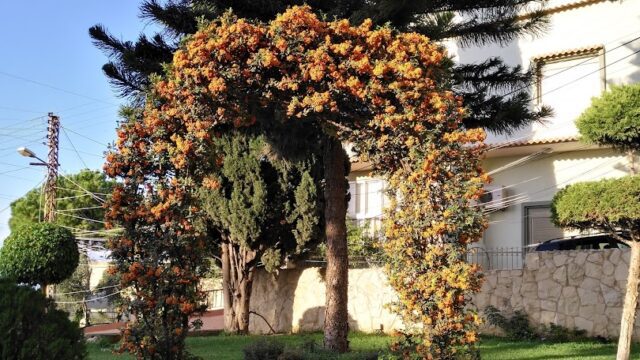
[{"x": 30, "y": 154}]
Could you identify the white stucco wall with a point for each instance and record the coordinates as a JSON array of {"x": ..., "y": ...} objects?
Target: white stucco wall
[
  {"x": 538, "y": 180},
  {"x": 607, "y": 23}
]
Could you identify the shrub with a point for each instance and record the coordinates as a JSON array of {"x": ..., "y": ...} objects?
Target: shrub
[
  {"x": 292, "y": 354},
  {"x": 263, "y": 349},
  {"x": 603, "y": 204},
  {"x": 518, "y": 327},
  {"x": 613, "y": 118},
  {"x": 39, "y": 253},
  {"x": 32, "y": 328}
]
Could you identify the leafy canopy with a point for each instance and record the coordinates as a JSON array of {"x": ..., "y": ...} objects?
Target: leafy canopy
[
  {"x": 261, "y": 201},
  {"x": 613, "y": 119},
  {"x": 32, "y": 328},
  {"x": 39, "y": 253},
  {"x": 608, "y": 205},
  {"x": 75, "y": 207}
]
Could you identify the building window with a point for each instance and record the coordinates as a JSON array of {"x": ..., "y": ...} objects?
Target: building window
[
  {"x": 538, "y": 226},
  {"x": 367, "y": 199},
  {"x": 566, "y": 81}
]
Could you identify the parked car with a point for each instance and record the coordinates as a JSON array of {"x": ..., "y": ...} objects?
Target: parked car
[{"x": 583, "y": 242}]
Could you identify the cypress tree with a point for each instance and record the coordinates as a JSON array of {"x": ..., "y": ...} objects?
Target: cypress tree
[{"x": 266, "y": 210}]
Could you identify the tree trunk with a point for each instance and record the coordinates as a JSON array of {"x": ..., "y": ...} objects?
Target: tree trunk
[
  {"x": 230, "y": 321},
  {"x": 630, "y": 303},
  {"x": 243, "y": 300},
  {"x": 237, "y": 282},
  {"x": 86, "y": 312},
  {"x": 336, "y": 322}
]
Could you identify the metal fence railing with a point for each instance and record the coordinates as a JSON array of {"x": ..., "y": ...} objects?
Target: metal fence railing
[{"x": 504, "y": 258}]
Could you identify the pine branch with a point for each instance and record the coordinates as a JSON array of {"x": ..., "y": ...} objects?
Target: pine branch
[
  {"x": 492, "y": 75},
  {"x": 502, "y": 115}
]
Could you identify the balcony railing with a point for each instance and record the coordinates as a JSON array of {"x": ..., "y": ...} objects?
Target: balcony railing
[{"x": 503, "y": 258}]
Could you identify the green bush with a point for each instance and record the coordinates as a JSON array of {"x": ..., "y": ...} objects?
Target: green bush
[
  {"x": 292, "y": 354},
  {"x": 518, "y": 327},
  {"x": 263, "y": 349},
  {"x": 39, "y": 253},
  {"x": 598, "y": 204},
  {"x": 32, "y": 328},
  {"x": 613, "y": 119}
]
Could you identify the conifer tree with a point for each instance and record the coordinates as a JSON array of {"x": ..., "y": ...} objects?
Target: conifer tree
[{"x": 266, "y": 210}]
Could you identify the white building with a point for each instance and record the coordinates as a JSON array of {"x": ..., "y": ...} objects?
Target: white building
[{"x": 589, "y": 46}]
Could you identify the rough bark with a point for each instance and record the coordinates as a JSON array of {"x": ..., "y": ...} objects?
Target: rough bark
[
  {"x": 230, "y": 323},
  {"x": 630, "y": 303},
  {"x": 237, "y": 281},
  {"x": 336, "y": 323}
]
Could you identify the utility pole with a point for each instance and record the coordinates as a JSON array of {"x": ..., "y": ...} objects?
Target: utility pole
[{"x": 53, "y": 132}]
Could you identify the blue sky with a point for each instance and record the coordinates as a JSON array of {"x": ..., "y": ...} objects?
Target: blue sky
[{"x": 48, "y": 64}]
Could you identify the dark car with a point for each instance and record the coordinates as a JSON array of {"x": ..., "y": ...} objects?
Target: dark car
[{"x": 583, "y": 242}]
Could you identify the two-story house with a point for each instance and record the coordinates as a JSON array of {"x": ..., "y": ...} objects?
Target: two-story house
[{"x": 589, "y": 46}]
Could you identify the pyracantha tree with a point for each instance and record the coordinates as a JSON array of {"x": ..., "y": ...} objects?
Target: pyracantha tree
[{"x": 386, "y": 92}]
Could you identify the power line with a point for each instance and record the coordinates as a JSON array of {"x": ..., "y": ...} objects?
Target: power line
[
  {"x": 64, "y": 131},
  {"x": 86, "y": 137},
  {"x": 584, "y": 76},
  {"x": 88, "y": 300},
  {"x": 93, "y": 192},
  {"x": 53, "y": 87},
  {"x": 80, "y": 217},
  {"x": 99, "y": 199},
  {"x": 580, "y": 63}
]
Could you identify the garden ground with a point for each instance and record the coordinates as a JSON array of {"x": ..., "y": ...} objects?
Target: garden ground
[{"x": 491, "y": 348}]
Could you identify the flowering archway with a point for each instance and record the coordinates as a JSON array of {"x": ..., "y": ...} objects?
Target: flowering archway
[{"x": 384, "y": 92}]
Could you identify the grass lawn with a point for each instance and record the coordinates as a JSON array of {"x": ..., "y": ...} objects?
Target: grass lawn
[{"x": 230, "y": 348}]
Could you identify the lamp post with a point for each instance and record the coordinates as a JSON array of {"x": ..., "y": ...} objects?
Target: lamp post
[{"x": 50, "y": 185}]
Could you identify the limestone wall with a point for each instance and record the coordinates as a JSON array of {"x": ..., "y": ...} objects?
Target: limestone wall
[
  {"x": 294, "y": 301},
  {"x": 582, "y": 288}
]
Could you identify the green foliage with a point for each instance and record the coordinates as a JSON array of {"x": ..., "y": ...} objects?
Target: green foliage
[
  {"x": 309, "y": 349},
  {"x": 477, "y": 23},
  {"x": 26, "y": 210},
  {"x": 518, "y": 327},
  {"x": 263, "y": 350},
  {"x": 362, "y": 242},
  {"x": 263, "y": 202},
  {"x": 32, "y": 328},
  {"x": 613, "y": 118},
  {"x": 39, "y": 253},
  {"x": 76, "y": 288},
  {"x": 608, "y": 205}
]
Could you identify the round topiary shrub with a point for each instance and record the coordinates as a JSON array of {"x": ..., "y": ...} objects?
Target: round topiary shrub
[
  {"x": 39, "y": 253},
  {"x": 613, "y": 118},
  {"x": 32, "y": 328}
]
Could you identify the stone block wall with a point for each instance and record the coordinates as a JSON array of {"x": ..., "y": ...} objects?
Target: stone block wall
[
  {"x": 294, "y": 301},
  {"x": 583, "y": 289}
]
